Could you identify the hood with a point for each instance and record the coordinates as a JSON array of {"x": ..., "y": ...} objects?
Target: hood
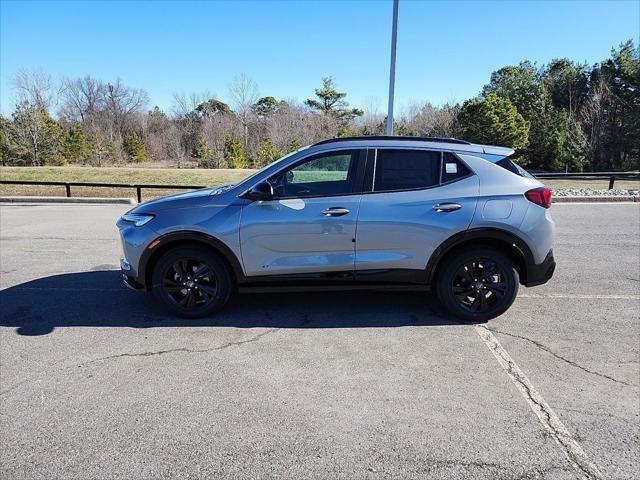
[{"x": 180, "y": 200}]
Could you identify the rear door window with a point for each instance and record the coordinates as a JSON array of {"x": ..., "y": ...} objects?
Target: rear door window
[{"x": 406, "y": 170}]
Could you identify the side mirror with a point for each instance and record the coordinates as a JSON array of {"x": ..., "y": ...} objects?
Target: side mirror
[{"x": 263, "y": 191}]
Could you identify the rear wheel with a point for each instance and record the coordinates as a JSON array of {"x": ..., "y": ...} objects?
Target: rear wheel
[
  {"x": 477, "y": 285},
  {"x": 191, "y": 282}
]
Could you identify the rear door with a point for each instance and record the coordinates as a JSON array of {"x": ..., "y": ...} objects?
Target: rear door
[
  {"x": 418, "y": 198},
  {"x": 310, "y": 226}
]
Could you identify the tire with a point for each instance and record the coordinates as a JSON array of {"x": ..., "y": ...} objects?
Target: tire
[
  {"x": 468, "y": 276},
  {"x": 191, "y": 282}
]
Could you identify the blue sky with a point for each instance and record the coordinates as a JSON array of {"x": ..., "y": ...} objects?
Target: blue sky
[{"x": 446, "y": 49}]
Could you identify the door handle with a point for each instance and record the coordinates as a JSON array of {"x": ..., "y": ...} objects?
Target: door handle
[
  {"x": 447, "y": 207},
  {"x": 335, "y": 212}
]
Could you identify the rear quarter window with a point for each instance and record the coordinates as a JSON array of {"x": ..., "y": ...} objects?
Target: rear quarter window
[
  {"x": 453, "y": 168},
  {"x": 513, "y": 167}
]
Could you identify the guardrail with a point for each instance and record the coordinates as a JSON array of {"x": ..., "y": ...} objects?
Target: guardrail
[
  {"x": 137, "y": 186},
  {"x": 612, "y": 176}
]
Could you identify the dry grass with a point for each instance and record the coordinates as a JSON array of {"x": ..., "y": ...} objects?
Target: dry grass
[{"x": 160, "y": 176}]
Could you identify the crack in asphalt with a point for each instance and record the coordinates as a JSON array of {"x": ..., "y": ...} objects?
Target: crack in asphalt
[
  {"x": 572, "y": 450},
  {"x": 255, "y": 338},
  {"x": 560, "y": 357}
]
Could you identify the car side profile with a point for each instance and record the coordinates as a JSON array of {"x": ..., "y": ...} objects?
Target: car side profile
[{"x": 384, "y": 213}]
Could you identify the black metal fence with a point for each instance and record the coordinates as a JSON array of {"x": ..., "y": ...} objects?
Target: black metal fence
[
  {"x": 611, "y": 176},
  {"x": 138, "y": 187}
]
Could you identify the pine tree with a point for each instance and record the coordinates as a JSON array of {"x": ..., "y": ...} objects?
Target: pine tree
[
  {"x": 267, "y": 153},
  {"x": 134, "y": 146},
  {"x": 234, "y": 153}
]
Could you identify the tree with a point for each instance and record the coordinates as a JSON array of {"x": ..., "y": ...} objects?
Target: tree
[
  {"x": 234, "y": 153},
  {"x": 122, "y": 102},
  {"x": 212, "y": 107},
  {"x": 34, "y": 87},
  {"x": 294, "y": 144},
  {"x": 134, "y": 146},
  {"x": 267, "y": 153},
  {"x": 205, "y": 155},
  {"x": 567, "y": 83},
  {"x": 493, "y": 120},
  {"x": 516, "y": 83},
  {"x": 244, "y": 93},
  {"x": 28, "y": 134},
  {"x": 76, "y": 147},
  {"x": 265, "y": 106},
  {"x": 332, "y": 102},
  {"x": 81, "y": 98}
]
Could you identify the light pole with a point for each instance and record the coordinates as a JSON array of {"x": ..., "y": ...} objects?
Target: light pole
[{"x": 392, "y": 68}]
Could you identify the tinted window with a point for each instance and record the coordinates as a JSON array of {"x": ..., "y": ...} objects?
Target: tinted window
[
  {"x": 452, "y": 168},
  {"x": 513, "y": 167},
  {"x": 321, "y": 175},
  {"x": 406, "y": 170}
]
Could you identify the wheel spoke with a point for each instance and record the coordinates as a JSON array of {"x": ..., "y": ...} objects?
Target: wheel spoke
[
  {"x": 202, "y": 271},
  {"x": 180, "y": 267},
  {"x": 488, "y": 270},
  {"x": 465, "y": 273},
  {"x": 498, "y": 289},
  {"x": 475, "y": 305},
  {"x": 483, "y": 302}
]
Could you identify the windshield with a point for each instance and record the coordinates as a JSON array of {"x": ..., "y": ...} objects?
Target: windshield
[{"x": 272, "y": 164}]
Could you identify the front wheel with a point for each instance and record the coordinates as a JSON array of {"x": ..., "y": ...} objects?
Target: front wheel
[
  {"x": 191, "y": 281},
  {"x": 478, "y": 284}
]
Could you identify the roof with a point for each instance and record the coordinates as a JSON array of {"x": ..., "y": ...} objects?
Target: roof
[{"x": 432, "y": 142}]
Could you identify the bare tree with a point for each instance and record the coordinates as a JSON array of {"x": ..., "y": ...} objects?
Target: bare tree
[
  {"x": 81, "y": 97},
  {"x": 244, "y": 93},
  {"x": 123, "y": 101},
  {"x": 35, "y": 87},
  {"x": 185, "y": 103}
]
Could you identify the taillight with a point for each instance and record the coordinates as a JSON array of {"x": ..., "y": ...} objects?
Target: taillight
[{"x": 540, "y": 196}]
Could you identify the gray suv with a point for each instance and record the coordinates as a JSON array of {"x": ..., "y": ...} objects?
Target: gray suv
[{"x": 392, "y": 213}]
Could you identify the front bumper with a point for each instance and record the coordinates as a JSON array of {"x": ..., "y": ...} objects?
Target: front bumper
[
  {"x": 542, "y": 272},
  {"x": 131, "y": 283}
]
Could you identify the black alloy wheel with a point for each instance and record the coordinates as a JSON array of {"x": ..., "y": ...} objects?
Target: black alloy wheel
[
  {"x": 191, "y": 281},
  {"x": 477, "y": 285}
]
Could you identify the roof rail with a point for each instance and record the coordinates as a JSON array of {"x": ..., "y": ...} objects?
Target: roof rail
[{"x": 385, "y": 137}]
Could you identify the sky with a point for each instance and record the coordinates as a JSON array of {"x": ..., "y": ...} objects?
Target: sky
[{"x": 446, "y": 49}]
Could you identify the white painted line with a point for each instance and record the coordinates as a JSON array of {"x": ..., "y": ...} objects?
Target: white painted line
[
  {"x": 580, "y": 296},
  {"x": 571, "y": 448}
]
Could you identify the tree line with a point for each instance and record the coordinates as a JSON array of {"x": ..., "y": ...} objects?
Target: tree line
[{"x": 561, "y": 116}]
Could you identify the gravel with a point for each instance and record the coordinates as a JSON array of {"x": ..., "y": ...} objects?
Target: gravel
[{"x": 588, "y": 192}]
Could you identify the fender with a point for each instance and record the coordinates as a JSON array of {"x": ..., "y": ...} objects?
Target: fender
[
  {"x": 516, "y": 246},
  {"x": 167, "y": 240}
]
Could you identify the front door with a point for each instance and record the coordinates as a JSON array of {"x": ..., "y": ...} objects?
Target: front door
[{"x": 310, "y": 226}]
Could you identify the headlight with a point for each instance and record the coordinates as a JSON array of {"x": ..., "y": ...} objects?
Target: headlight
[{"x": 137, "y": 219}]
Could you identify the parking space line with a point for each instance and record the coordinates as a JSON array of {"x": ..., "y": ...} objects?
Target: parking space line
[
  {"x": 552, "y": 423},
  {"x": 579, "y": 296}
]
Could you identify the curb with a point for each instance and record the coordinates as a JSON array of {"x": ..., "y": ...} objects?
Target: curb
[
  {"x": 597, "y": 199},
  {"x": 72, "y": 200}
]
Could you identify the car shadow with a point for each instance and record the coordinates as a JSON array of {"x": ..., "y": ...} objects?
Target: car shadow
[{"x": 98, "y": 299}]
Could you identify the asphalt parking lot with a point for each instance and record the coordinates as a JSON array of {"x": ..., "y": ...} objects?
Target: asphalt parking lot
[{"x": 97, "y": 382}]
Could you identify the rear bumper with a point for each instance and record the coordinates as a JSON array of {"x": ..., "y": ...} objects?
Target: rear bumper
[{"x": 537, "y": 274}]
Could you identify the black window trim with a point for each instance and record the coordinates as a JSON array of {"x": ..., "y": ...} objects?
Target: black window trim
[
  {"x": 369, "y": 189},
  {"x": 356, "y": 186}
]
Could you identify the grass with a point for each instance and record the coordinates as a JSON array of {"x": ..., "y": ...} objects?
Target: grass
[
  {"x": 593, "y": 184},
  {"x": 186, "y": 176},
  {"x": 160, "y": 176}
]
